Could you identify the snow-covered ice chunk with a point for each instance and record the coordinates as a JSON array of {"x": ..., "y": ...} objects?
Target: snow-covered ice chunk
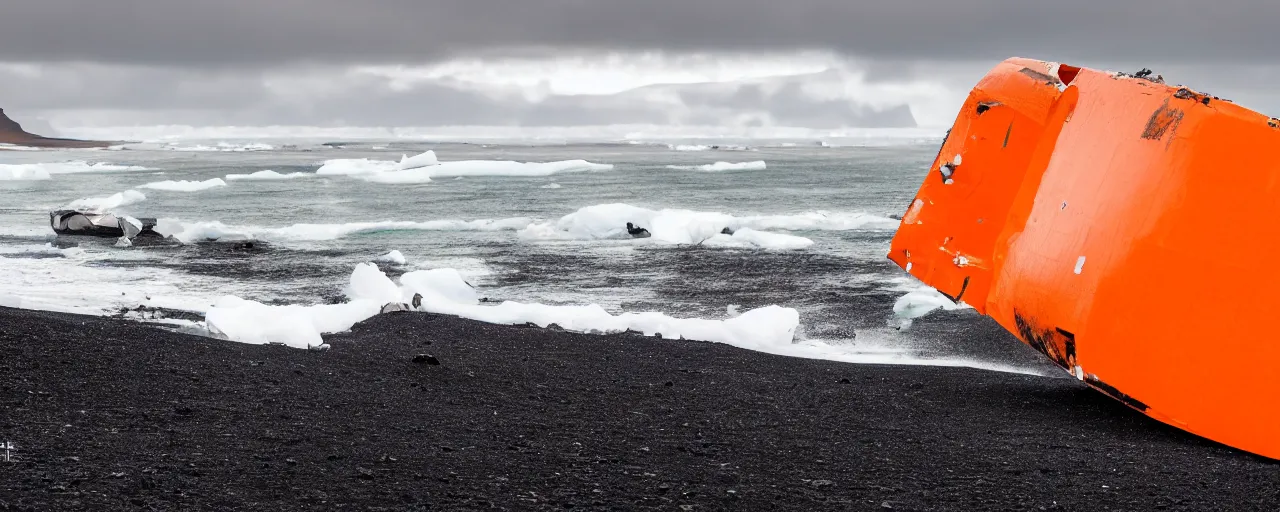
[
  {"x": 352, "y": 166},
  {"x": 920, "y": 302},
  {"x": 23, "y": 172},
  {"x": 395, "y": 257},
  {"x": 42, "y": 171},
  {"x": 420, "y": 160}
]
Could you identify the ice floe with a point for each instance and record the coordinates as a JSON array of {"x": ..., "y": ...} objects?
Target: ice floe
[
  {"x": 185, "y": 186},
  {"x": 43, "y": 171},
  {"x": 920, "y": 302},
  {"x": 23, "y": 172},
  {"x": 395, "y": 257},
  {"x": 423, "y": 167},
  {"x": 267, "y": 175},
  {"x": 222, "y": 147}
]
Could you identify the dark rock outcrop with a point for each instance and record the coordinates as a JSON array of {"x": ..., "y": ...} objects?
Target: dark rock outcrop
[{"x": 12, "y": 133}]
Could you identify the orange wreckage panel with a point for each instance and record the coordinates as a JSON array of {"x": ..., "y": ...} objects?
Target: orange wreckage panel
[{"x": 1122, "y": 227}]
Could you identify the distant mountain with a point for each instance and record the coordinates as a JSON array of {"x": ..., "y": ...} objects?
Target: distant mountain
[{"x": 12, "y": 133}]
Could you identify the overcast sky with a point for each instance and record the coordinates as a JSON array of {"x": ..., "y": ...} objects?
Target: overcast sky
[{"x": 816, "y": 63}]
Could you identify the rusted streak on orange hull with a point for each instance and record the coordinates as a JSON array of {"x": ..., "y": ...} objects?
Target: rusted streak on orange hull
[{"x": 1123, "y": 228}]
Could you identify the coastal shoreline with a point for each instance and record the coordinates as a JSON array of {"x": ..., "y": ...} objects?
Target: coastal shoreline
[{"x": 108, "y": 413}]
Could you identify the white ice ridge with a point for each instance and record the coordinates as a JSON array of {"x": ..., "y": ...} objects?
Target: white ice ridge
[
  {"x": 42, "y": 171},
  {"x": 758, "y": 165},
  {"x": 108, "y": 203},
  {"x": 445, "y": 292},
  {"x": 267, "y": 175},
  {"x": 189, "y": 232},
  {"x": 703, "y": 147},
  {"x": 223, "y": 147},
  {"x": 920, "y": 302},
  {"x": 675, "y": 226},
  {"x": 185, "y": 186},
  {"x": 421, "y": 168}
]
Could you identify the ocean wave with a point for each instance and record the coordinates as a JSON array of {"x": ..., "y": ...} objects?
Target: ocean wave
[{"x": 677, "y": 226}]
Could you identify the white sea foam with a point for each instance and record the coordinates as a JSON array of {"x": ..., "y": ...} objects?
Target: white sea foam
[
  {"x": 445, "y": 292},
  {"x": 758, "y": 165},
  {"x": 676, "y": 226},
  {"x": 108, "y": 203},
  {"x": 267, "y": 175},
  {"x": 185, "y": 186},
  {"x": 188, "y": 232},
  {"x": 750, "y": 238},
  {"x": 551, "y": 185}
]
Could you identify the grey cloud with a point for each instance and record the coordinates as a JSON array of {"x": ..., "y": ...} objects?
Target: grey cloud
[
  {"x": 241, "y": 32},
  {"x": 121, "y": 95}
]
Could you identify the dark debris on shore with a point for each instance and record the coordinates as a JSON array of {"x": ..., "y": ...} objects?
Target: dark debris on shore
[{"x": 110, "y": 414}]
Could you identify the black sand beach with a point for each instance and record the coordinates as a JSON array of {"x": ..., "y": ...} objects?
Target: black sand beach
[{"x": 109, "y": 414}]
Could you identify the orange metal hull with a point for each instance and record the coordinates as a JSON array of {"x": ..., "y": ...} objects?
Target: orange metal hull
[{"x": 1122, "y": 227}]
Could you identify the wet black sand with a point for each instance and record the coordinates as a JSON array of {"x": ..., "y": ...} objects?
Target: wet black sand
[{"x": 108, "y": 414}]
